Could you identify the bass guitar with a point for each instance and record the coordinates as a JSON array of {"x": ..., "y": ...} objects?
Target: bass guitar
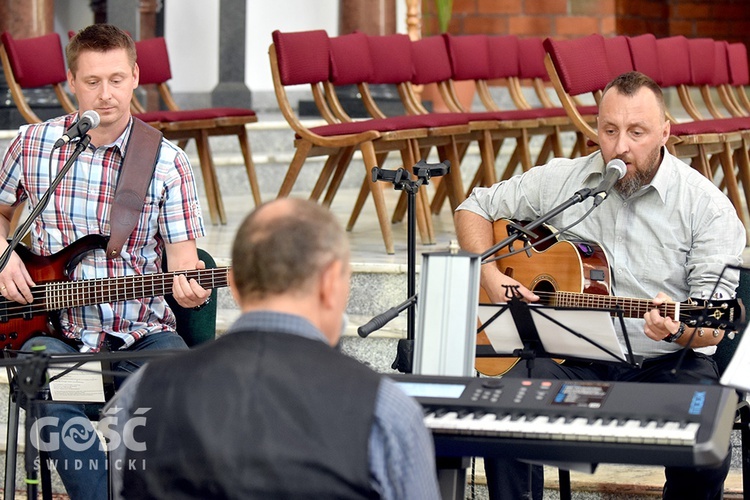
[
  {"x": 54, "y": 291},
  {"x": 576, "y": 274}
]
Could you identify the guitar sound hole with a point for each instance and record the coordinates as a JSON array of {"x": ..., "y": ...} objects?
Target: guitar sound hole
[{"x": 547, "y": 290}]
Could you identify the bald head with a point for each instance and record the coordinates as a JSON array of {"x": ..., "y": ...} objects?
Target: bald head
[{"x": 282, "y": 246}]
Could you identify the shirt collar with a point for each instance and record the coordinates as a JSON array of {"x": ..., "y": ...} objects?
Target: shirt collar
[{"x": 276, "y": 322}]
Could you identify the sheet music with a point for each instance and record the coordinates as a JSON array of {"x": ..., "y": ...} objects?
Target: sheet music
[
  {"x": 84, "y": 384},
  {"x": 737, "y": 373},
  {"x": 594, "y": 325}
]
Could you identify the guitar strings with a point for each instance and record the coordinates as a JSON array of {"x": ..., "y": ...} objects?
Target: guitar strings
[{"x": 47, "y": 294}]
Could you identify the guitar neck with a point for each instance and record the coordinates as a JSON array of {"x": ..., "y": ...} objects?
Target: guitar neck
[
  {"x": 631, "y": 308},
  {"x": 67, "y": 294}
]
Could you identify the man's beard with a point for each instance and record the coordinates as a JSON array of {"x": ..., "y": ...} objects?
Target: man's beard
[{"x": 630, "y": 184}]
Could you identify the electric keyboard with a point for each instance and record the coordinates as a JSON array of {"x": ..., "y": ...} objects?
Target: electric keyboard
[{"x": 575, "y": 421}]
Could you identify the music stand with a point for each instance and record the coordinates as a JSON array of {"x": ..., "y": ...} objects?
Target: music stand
[{"x": 537, "y": 332}]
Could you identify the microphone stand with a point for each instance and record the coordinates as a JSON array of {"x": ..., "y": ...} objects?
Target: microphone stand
[
  {"x": 402, "y": 181},
  {"x": 526, "y": 230},
  {"x": 43, "y": 201},
  {"x": 32, "y": 373}
]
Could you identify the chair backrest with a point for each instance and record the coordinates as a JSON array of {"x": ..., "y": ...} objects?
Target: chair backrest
[
  {"x": 21, "y": 65},
  {"x": 644, "y": 56},
  {"x": 674, "y": 59},
  {"x": 469, "y": 57},
  {"x": 577, "y": 67},
  {"x": 531, "y": 56},
  {"x": 702, "y": 54},
  {"x": 618, "y": 55},
  {"x": 531, "y": 59},
  {"x": 391, "y": 58},
  {"x": 153, "y": 61},
  {"x": 738, "y": 66},
  {"x": 300, "y": 58},
  {"x": 581, "y": 63},
  {"x": 351, "y": 64},
  {"x": 721, "y": 63},
  {"x": 196, "y": 327}
]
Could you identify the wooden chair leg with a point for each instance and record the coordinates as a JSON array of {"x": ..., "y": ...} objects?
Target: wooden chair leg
[
  {"x": 300, "y": 155},
  {"x": 325, "y": 175},
  {"x": 524, "y": 150},
  {"x": 209, "y": 177},
  {"x": 421, "y": 205},
  {"x": 376, "y": 188},
  {"x": 249, "y": 165},
  {"x": 364, "y": 190},
  {"x": 730, "y": 179},
  {"x": 513, "y": 162},
  {"x": 454, "y": 183},
  {"x": 743, "y": 165}
]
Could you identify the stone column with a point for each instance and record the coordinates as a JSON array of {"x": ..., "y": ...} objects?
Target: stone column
[
  {"x": 372, "y": 18},
  {"x": 27, "y": 18},
  {"x": 125, "y": 14},
  {"x": 232, "y": 90},
  {"x": 368, "y": 16}
]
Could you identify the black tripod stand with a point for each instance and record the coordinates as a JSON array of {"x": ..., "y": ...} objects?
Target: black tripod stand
[{"x": 402, "y": 181}]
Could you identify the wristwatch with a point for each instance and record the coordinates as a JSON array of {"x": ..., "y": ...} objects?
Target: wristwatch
[
  {"x": 672, "y": 337},
  {"x": 198, "y": 308}
]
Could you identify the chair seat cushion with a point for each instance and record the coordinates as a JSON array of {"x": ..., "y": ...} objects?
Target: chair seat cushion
[
  {"x": 194, "y": 114},
  {"x": 717, "y": 126}
]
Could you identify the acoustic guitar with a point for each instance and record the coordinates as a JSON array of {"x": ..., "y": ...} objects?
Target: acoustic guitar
[
  {"x": 54, "y": 291},
  {"x": 576, "y": 274}
]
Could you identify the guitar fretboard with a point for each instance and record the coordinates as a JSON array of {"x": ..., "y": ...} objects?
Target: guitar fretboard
[
  {"x": 631, "y": 308},
  {"x": 66, "y": 294}
]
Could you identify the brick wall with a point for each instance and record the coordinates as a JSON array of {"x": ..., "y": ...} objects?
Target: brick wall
[{"x": 720, "y": 19}]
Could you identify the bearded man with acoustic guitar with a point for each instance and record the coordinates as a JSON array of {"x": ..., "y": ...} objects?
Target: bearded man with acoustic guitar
[
  {"x": 102, "y": 73},
  {"x": 667, "y": 233}
]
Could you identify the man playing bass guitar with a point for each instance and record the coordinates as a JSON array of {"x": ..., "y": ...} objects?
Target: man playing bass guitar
[
  {"x": 667, "y": 233},
  {"x": 102, "y": 73}
]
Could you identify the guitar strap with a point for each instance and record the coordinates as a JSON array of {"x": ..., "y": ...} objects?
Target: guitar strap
[{"x": 136, "y": 172}]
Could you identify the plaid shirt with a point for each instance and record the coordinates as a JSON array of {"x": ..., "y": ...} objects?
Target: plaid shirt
[{"x": 81, "y": 205}]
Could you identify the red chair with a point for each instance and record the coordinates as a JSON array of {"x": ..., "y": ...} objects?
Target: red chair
[
  {"x": 20, "y": 60},
  {"x": 739, "y": 75},
  {"x": 198, "y": 124},
  {"x": 352, "y": 64},
  {"x": 531, "y": 68},
  {"x": 304, "y": 58}
]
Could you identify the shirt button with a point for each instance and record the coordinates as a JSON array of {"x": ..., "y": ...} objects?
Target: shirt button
[
  {"x": 619, "y": 271},
  {"x": 624, "y": 203}
]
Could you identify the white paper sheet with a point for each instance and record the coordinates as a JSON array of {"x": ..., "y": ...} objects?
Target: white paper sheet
[
  {"x": 737, "y": 373},
  {"x": 84, "y": 384},
  {"x": 594, "y": 325}
]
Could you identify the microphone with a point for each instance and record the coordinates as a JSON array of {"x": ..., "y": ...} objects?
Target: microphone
[
  {"x": 90, "y": 119},
  {"x": 616, "y": 170}
]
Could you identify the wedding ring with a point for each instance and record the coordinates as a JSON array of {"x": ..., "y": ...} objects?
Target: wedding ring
[{"x": 2, "y": 287}]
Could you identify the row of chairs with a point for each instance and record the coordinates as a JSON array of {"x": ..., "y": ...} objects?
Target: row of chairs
[
  {"x": 327, "y": 63},
  {"x": 578, "y": 69},
  {"x": 20, "y": 60},
  {"x": 585, "y": 65}
]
